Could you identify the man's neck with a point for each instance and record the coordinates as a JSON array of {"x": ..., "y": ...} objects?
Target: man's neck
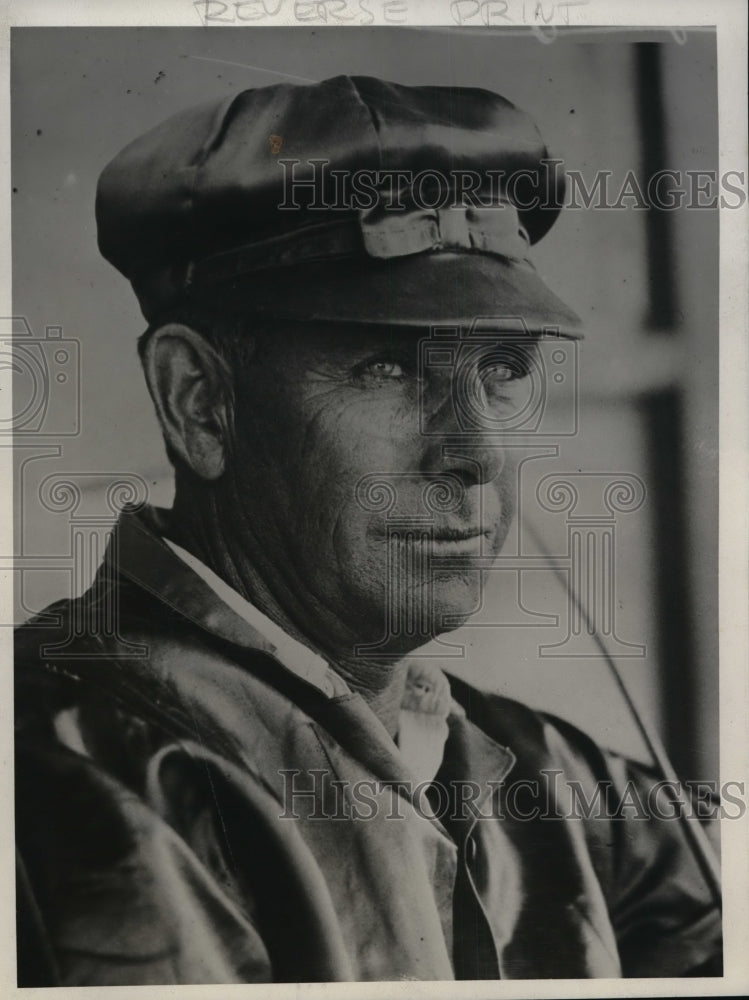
[{"x": 198, "y": 528}]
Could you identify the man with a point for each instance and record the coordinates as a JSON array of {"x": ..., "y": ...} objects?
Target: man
[{"x": 250, "y": 778}]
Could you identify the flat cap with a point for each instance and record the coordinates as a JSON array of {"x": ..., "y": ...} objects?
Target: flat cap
[{"x": 350, "y": 200}]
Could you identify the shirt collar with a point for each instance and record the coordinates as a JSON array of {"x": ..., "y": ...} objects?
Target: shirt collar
[{"x": 294, "y": 655}]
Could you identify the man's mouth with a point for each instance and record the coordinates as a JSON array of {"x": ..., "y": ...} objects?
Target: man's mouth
[
  {"x": 459, "y": 534},
  {"x": 446, "y": 540},
  {"x": 469, "y": 541}
]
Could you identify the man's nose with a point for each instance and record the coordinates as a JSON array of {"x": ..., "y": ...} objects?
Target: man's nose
[{"x": 474, "y": 455}]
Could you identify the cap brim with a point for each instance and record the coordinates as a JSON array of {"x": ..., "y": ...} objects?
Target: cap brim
[{"x": 419, "y": 290}]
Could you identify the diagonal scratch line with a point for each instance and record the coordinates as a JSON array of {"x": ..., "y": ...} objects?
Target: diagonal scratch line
[{"x": 259, "y": 69}]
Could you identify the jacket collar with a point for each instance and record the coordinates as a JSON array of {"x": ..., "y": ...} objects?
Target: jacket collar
[{"x": 473, "y": 768}]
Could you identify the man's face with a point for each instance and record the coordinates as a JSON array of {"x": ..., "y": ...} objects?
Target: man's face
[{"x": 370, "y": 495}]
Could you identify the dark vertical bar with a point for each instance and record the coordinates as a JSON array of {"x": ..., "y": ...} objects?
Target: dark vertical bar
[
  {"x": 662, "y": 412},
  {"x": 674, "y": 611},
  {"x": 662, "y": 306}
]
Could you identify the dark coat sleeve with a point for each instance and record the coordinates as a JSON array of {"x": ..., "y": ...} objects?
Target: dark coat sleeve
[{"x": 664, "y": 918}]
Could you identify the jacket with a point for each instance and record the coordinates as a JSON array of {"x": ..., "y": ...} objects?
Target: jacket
[{"x": 189, "y": 811}]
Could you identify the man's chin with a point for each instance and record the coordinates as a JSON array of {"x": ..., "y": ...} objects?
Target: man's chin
[
  {"x": 455, "y": 597},
  {"x": 419, "y": 613}
]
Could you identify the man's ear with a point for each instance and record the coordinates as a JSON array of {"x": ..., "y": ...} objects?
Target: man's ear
[{"x": 191, "y": 389}]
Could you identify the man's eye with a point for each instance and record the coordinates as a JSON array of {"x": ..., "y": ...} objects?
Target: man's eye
[
  {"x": 385, "y": 369},
  {"x": 498, "y": 379},
  {"x": 500, "y": 373},
  {"x": 499, "y": 383}
]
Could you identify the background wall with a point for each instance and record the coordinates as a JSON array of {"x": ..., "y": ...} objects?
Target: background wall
[{"x": 646, "y": 283}]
